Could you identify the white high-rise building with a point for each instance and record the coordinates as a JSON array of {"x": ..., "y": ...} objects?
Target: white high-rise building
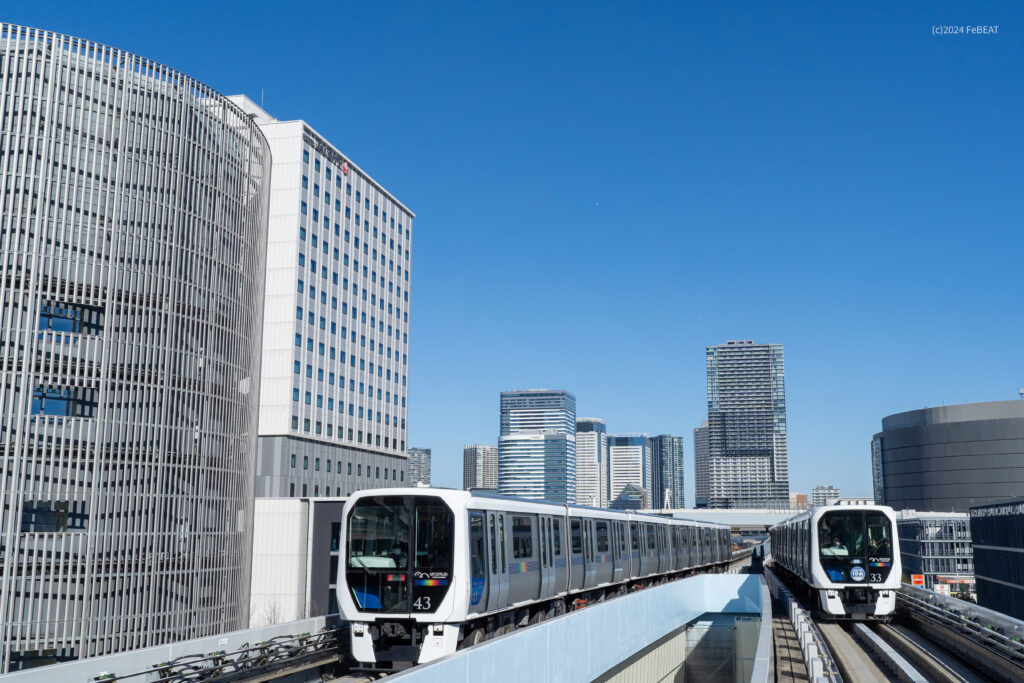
[
  {"x": 336, "y": 321},
  {"x": 629, "y": 463},
  {"x": 480, "y": 467},
  {"x": 821, "y": 495},
  {"x": 591, "y": 462}
]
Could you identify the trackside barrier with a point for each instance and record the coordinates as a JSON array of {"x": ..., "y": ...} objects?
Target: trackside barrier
[
  {"x": 817, "y": 658},
  {"x": 996, "y": 632},
  {"x": 296, "y": 646}
]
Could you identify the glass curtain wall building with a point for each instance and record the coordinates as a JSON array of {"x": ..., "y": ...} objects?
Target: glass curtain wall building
[
  {"x": 667, "y": 472},
  {"x": 336, "y": 322},
  {"x": 537, "y": 445},
  {"x": 748, "y": 465},
  {"x": 133, "y": 244},
  {"x": 591, "y": 462}
]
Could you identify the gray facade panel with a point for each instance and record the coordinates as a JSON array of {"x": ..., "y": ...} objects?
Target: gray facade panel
[
  {"x": 350, "y": 469},
  {"x": 931, "y": 461}
]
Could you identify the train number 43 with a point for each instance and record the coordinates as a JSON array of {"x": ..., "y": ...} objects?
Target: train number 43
[{"x": 422, "y": 603}]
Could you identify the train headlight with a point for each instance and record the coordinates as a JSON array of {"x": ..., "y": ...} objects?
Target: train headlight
[
  {"x": 437, "y": 629},
  {"x": 358, "y": 629}
]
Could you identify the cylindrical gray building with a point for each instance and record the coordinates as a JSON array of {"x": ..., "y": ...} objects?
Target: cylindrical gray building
[
  {"x": 132, "y": 248},
  {"x": 950, "y": 458}
]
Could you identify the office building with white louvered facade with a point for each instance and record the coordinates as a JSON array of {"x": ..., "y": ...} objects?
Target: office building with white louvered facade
[
  {"x": 133, "y": 241},
  {"x": 336, "y": 322}
]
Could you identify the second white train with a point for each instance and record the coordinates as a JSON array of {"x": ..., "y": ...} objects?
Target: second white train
[{"x": 845, "y": 557}]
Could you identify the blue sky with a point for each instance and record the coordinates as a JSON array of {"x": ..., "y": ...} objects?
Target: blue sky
[{"x": 602, "y": 189}]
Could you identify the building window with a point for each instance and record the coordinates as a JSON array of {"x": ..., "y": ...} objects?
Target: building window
[
  {"x": 305, "y": 462},
  {"x": 316, "y": 465},
  {"x": 293, "y": 461},
  {"x": 291, "y": 489}
]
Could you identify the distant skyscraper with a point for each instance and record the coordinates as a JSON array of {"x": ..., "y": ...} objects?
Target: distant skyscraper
[
  {"x": 537, "y": 446},
  {"x": 667, "y": 472},
  {"x": 747, "y": 462},
  {"x": 629, "y": 463},
  {"x": 480, "y": 467},
  {"x": 821, "y": 495},
  {"x": 591, "y": 462},
  {"x": 419, "y": 466},
  {"x": 701, "y": 455},
  {"x": 631, "y": 497}
]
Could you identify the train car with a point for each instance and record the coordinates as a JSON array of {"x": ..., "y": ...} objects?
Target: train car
[
  {"x": 846, "y": 557},
  {"x": 426, "y": 571}
]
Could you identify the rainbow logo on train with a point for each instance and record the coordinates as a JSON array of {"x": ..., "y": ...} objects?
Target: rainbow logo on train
[
  {"x": 431, "y": 582},
  {"x": 521, "y": 567}
]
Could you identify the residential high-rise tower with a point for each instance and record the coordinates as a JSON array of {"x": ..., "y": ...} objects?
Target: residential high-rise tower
[
  {"x": 419, "y": 466},
  {"x": 667, "y": 472},
  {"x": 336, "y": 322},
  {"x": 537, "y": 445},
  {"x": 701, "y": 455},
  {"x": 747, "y": 456},
  {"x": 480, "y": 467}
]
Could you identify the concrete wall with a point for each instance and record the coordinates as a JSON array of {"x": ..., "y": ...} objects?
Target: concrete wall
[{"x": 584, "y": 645}]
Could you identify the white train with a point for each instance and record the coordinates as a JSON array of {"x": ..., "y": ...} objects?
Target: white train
[
  {"x": 846, "y": 557},
  {"x": 426, "y": 571}
]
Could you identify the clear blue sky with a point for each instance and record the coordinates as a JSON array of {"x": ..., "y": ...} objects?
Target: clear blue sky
[{"x": 602, "y": 189}]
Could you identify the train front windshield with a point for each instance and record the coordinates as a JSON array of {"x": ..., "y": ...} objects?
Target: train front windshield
[
  {"x": 855, "y": 546},
  {"x": 399, "y": 554}
]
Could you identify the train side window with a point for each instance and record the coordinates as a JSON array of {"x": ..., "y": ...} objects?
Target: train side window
[
  {"x": 557, "y": 536},
  {"x": 522, "y": 537},
  {"x": 634, "y": 536},
  {"x": 501, "y": 540},
  {"x": 477, "y": 562},
  {"x": 652, "y": 543},
  {"x": 575, "y": 537},
  {"x": 622, "y": 539},
  {"x": 602, "y": 537},
  {"x": 494, "y": 558}
]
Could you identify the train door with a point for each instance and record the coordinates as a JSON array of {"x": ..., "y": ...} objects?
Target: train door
[
  {"x": 547, "y": 586},
  {"x": 561, "y": 578},
  {"x": 576, "y": 568},
  {"x": 501, "y": 543},
  {"x": 478, "y": 565},
  {"x": 588, "y": 553},
  {"x": 621, "y": 553},
  {"x": 634, "y": 549}
]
